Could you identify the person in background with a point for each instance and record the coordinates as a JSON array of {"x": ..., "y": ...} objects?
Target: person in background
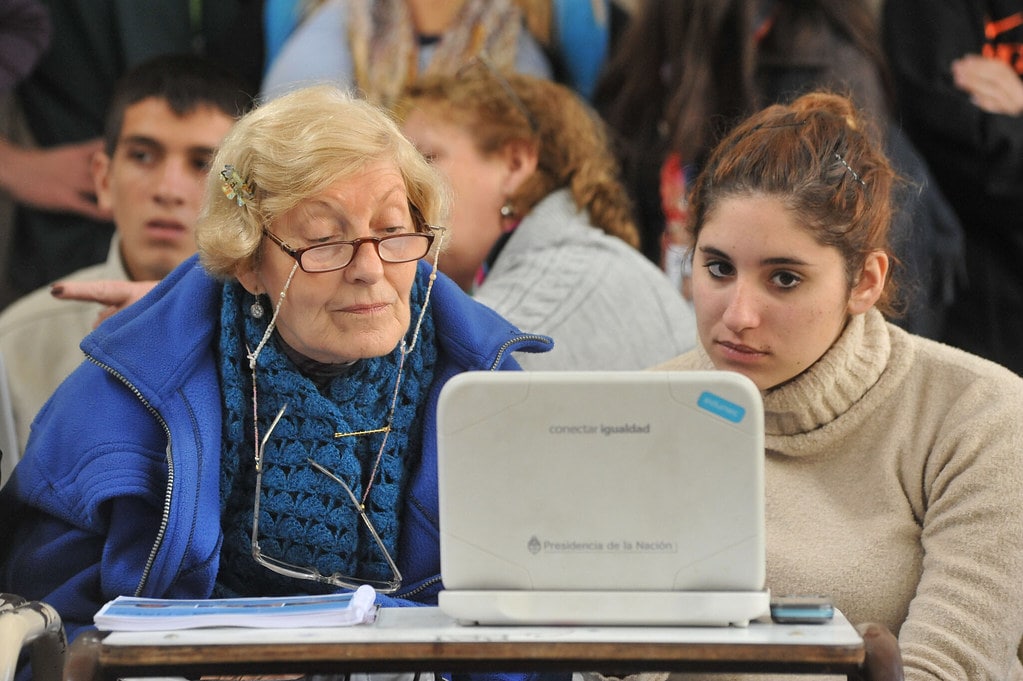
[
  {"x": 25, "y": 33},
  {"x": 681, "y": 74},
  {"x": 263, "y": 422},
  {"x": 57, "y": 226},
  {"x": 166, "y": 119},
  {"x": 381, "y": 46},
  {"x": 893, "y": 461},
  {"x": 718, "y": 62},
  {"x": 958, "y": 69},
  {"x": 542, "y": 230},
  {"x": 803, "y": 45},
  {"x": 577, "y": 36}
]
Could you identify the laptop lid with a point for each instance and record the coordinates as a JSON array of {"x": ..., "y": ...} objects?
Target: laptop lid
[{"x": 601, "y": 481}]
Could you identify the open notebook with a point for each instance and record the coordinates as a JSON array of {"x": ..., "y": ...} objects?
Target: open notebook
[{"x": 618, "y": 497}]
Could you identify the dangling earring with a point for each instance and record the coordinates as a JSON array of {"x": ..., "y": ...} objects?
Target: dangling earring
[
  {"x": 507, "y": 210},
  {"x": 256, "y": 310}
]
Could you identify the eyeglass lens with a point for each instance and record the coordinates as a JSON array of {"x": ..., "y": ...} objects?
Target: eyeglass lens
[{"x": 394, "y": 249}]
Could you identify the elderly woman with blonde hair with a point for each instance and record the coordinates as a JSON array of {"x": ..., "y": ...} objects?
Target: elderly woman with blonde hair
[{"x": 263, "y": 421}]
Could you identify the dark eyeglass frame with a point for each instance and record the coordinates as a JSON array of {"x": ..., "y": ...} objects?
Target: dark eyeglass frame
[
  {"x": 299, "y": 572},
  {"x": 297, "y": 253}
]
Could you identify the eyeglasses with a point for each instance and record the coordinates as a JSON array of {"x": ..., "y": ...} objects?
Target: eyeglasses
[
  {"x": 492, "y": 71},
  {"x": 289, "y": 570},
  {"x": 337, "y": 255}
]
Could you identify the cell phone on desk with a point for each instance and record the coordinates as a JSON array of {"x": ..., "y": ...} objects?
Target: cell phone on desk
[{"x": 802, "y": 609}]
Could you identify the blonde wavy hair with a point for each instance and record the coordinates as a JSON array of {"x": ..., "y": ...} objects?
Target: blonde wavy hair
[
  {"x": 571, "y": 140},
  {"x": 293, "y": 148}
]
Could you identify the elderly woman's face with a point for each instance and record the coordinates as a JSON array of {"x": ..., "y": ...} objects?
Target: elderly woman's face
[{"x": 356, "y": 312}]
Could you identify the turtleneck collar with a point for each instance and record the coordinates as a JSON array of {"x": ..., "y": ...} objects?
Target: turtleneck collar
[
  {"x": 319, "y": 373},
  {"x": 834, "y": 383}
]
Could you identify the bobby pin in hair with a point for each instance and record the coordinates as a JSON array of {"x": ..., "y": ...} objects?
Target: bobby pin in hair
[{"x": 852, "y": 172}]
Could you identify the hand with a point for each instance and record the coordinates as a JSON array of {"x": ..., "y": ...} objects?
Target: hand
[
  {"x": 883, "y": 661},
  {"x": 57, "y": 179},
  {"x": 114, "y": 295},
  {"x": 992, "y": 84}
]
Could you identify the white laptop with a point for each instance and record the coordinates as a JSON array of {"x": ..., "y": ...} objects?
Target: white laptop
[{"x": 602, "y": 498}]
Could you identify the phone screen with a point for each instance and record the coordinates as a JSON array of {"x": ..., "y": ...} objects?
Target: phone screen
[{"x": 802, "y": 609}]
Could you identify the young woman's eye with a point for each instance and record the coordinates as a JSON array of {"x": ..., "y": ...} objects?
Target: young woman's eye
[
  {"x": 719, "y": 269},
  {"x": 786, "y": 279}
]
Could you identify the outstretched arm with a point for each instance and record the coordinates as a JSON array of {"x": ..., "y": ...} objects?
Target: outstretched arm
[{"x": 115, "y": 295}]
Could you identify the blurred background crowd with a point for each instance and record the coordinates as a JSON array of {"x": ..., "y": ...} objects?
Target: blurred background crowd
[{"x": 665, "y": 79}]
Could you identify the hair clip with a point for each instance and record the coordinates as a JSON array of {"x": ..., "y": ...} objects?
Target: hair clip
[
  {"x": 856, "y": 176},
  {"x": 235, "y": 187}
]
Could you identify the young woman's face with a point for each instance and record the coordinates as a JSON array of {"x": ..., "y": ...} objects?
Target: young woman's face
[{"x": 770, "y": 300}]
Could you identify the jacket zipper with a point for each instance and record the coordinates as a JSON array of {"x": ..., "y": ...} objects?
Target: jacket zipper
[
  {"x": 515, "y": 341},
  {"x": 165, "y": 519},
  {"x": 422, "y": 587}
]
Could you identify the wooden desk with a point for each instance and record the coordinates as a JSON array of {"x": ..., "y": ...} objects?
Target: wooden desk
[{"x": 410, "y": 639}]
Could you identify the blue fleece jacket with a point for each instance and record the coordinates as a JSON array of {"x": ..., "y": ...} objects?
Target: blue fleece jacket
[{"x": 118, "y": 490}]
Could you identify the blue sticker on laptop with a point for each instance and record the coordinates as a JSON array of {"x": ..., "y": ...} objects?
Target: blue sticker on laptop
[{"x": 719, "y": 406}]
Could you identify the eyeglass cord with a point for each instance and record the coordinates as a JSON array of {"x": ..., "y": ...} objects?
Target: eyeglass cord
[{"x": 254, "y": 355}]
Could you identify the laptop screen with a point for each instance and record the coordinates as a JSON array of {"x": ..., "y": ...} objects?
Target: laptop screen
[{"x": 601, "y": 481}]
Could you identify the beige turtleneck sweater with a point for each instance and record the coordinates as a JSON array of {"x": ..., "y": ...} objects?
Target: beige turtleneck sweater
[{"x": 894, "y": 483}]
